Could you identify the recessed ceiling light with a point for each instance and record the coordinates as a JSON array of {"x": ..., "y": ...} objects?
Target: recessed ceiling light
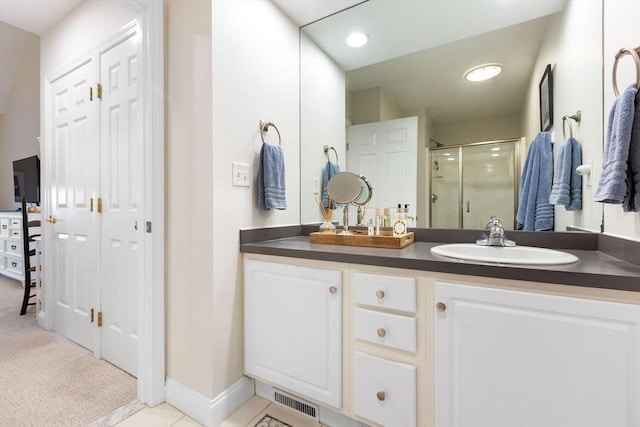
[
  {"x": 495, "y": 154},
  {"x": 357, "y": 39},
  {"x": 483, "y": 72},
  {"x": 495, "y": 149}
]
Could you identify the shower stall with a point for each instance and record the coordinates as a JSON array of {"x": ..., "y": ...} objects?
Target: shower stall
[{"x": 470, "y": 183}]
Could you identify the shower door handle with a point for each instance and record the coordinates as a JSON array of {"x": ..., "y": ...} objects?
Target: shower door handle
[{"x": 468, "y": 205}]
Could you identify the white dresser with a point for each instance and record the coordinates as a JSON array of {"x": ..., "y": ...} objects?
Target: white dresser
[{"x": 11, "y": 253}]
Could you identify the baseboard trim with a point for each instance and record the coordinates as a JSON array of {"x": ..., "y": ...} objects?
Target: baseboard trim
[{"x": 209, "y": 412}]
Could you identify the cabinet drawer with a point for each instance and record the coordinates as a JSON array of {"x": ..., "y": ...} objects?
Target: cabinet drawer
[
  {"x": 14, "y": 264},
  {"x": 13, "y": 248},
  {"x": 384, "y": 391},
  {"x": 4, "y": 226},
  {"x": 390, "y": 330},
  {"x": 397, "y": 293},
  {"x": 15, "y": 222}
]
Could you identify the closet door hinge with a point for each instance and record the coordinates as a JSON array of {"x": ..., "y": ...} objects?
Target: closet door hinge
[
  {"x": 99, "y": 319},
  {"x": 99, "y": 200},
  {"x": 91, "y": 315},
  {"x": 99, "y": 91},
  {"x": 90, "y": 93}
]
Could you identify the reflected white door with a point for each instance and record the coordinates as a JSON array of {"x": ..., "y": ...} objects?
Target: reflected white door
[
  {"x": 73, "y": 246},
  {"x": 122, "y": 223},
  {"x": 387, "y": 154}
]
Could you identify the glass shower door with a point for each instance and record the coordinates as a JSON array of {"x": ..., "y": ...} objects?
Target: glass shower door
[
  {"x": 445, "y": 188},
  {"x": 488, "y": 184}
]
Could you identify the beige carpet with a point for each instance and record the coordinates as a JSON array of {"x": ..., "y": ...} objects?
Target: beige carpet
[{"x": 47, "y": 380}]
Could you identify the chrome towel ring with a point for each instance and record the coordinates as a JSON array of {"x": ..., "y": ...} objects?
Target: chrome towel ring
[
  {"x": 635, "y": 54},
  {"x": 326, "y": 152},
  {"x": 567, "y": 118},
  {"x": 264, "y": 128}
]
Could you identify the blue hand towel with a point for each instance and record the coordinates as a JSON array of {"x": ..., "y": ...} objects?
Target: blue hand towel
[
  {"x": 534, "y": 210},
  {"x": 612, "y": 187},
  {"x": 329, "y": 171},
  {"x": 632, "y": 200},
  {"x": 567, "y": 184},
  {"x": 271, "y": 192}
]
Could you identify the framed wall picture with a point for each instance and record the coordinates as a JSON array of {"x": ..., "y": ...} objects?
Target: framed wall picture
[{"x": 546, "y": 99}]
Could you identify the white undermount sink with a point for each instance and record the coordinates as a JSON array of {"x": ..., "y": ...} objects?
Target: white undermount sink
[{"x": 504, "y": 255}]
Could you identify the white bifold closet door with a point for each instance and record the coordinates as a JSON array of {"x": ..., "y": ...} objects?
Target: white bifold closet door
[{"x": 96, "y": 193}]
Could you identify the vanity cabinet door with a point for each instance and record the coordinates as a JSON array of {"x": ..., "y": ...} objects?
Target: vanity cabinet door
[
  {"x": 293, "y": 328},
  {"x": 509, "y": 358}
]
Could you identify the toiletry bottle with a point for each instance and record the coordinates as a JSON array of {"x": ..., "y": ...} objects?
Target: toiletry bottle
[
  {"x": 379, "y": 220},
  {"x": 399, "y": 223},
  {"x": 370, "y": 228},
  {"x": 387, "y": 217}
]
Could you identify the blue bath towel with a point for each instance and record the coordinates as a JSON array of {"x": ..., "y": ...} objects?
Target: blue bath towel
[
  {"x": 567, "y": 184},
  {"x": 534, "y": 210},
  {"x": 612, "y": 187},
  {"x": 632, "y": 200},
  {"x": 329, "y": 171},
  {"x": 271, "y": 192}
]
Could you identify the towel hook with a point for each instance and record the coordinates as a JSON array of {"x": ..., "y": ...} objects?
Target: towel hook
[
  {"x": 264, "y": 128},
  {"x": 636, "y": 58},
  {"x": 567, "y": 118},
  {"x": 326, "y": 152}
]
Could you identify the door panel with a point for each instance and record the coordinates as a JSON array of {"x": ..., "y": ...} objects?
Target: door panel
[
  {"x": 122, "y": 239},
  {"x": 74, "y": 271},
  {"x": 386, "y": 153}
]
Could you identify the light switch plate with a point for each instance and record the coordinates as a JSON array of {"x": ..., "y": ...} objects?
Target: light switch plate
[{"x": 241, "y": 175}]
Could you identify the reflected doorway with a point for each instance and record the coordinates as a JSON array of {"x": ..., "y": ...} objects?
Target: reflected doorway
[{"x": 470, "y": 183}]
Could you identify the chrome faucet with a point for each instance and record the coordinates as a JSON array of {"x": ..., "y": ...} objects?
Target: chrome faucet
[{"x": 496, "y": 234}]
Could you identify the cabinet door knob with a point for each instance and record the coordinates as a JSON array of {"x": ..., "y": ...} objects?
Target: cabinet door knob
[
  {"x": 381, "y": 395},
  {"x": 441, "y": 306},
  {"x": 333, "y": 290},
  {"x": 380, "y": 293},
  {"x": 381, "y": 332}
]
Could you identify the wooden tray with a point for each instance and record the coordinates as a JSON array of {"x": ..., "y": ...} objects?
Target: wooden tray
[{"x": 360, "y": 238}]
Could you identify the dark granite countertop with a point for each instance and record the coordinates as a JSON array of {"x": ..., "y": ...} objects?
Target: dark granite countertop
[{"x": 595, "y": 267}]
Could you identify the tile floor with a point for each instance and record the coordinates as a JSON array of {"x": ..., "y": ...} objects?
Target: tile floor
[{"x": 165, "y": 415}]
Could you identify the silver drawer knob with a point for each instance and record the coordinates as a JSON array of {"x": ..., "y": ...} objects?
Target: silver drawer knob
[
  {"x": 380, "y": 293},
  {"x": 381, "y": 332},
  {"x": 333, "y": 290},
  {"x": 441, "y": 306},
  {"x": 381, "y": 395}
]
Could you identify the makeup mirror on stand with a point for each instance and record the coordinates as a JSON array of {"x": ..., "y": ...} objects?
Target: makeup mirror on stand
[{"x": 344, "y": 188}]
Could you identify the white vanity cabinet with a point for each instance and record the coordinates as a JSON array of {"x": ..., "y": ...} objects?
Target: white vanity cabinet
[
  {"x": 513, "y": 358},
  {"x": 385, "y": 341},
  {"x": 293, "y": 328}
]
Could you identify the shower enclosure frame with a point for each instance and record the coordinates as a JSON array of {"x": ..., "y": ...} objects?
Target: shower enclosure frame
[{"x": 518, "y": 153}]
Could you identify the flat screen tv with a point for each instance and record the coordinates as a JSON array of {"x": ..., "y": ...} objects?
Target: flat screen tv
[{"x": 26, "y": 179}]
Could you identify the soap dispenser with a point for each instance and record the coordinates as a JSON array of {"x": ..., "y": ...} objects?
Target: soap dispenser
[{"x": 399, "y": 223}]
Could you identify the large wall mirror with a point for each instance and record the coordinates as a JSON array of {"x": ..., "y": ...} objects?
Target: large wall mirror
[{"x": 399, "y": 110}]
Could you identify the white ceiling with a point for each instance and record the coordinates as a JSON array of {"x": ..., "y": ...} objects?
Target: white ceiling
[
  {"x": 35, "y": 16},
  {"x": 303, "y": 12}
]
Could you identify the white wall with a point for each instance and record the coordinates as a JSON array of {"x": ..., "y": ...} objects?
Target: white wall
[
  {"x": 255, "y": 76},
  {"x": 620, "y": 30},
  {"x": 21, "y": 119},
  {"x": 572, "y": 46},
  {"x": 322, "y": 116}
]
